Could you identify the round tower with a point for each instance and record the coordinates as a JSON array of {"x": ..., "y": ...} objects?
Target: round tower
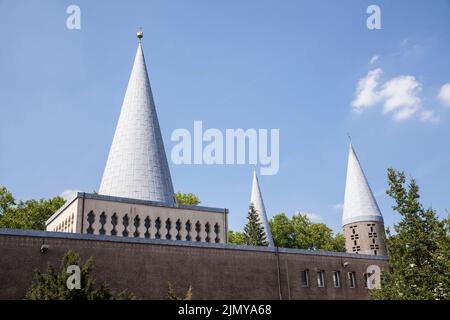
[{"x": 362, "y": 220}]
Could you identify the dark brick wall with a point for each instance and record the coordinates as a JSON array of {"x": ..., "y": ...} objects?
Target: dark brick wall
[{"x": 214, "y": 272}]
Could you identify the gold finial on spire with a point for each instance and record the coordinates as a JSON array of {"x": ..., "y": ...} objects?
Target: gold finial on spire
[{"x": 140, "y": 34}]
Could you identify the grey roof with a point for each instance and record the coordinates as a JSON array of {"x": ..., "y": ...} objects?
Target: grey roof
[
  {"x": 92, "y": 237},
  {"x": 137, "y": 165},
  {"x": 359, "y": 203},
  {"x": 258, "y": 203}
]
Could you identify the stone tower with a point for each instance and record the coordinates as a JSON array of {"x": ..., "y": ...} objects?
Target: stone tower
[
  {"x": 362, "y": 220},
  {"x": 257, "y": 201},
  {"x": 137, "y": 165}
]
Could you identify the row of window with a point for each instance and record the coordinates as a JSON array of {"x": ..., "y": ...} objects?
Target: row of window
[
  {"x": 337, "y": 283},
  {"x": 162, "y": 232}
]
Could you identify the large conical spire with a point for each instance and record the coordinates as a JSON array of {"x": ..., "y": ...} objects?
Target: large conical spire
[
  {"x": 137, "y": 165},
  {"x": 258, "y": 203},
  {"x": 359, "y": 203}
]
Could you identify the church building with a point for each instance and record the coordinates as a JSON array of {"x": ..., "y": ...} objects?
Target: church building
[{"x": 136, "y": 196}]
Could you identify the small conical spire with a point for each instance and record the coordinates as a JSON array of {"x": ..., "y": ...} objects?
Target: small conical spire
[
  {"x": 258, "y": 203},
  {"x": 359, "y": 203},
  {"x": 137, "y": 166}
]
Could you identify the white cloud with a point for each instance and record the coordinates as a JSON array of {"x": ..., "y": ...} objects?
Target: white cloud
[
  {"x": 338, "y": 206},
  {"x": 400, "y": 96},
  {"x": 374, "y": 59},
  {"x": 444, "y": 94},
  {"x": 366, "y": 94},
  {"x": 313, "y": 216},
  {"x": 69, "y": 194},
  {"x": 429, "y": 116}
]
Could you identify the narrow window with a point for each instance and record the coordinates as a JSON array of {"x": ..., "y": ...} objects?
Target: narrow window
[
  {"x": 366, "y": 280},
  {"x": 198, "y": 227},
  {"x": 305, "y": 278},
  {"x": 147, "y": 227},
  {"x": 321, "y": 279},
  {"x": 158, "y": 226},
  {"x": 178, "y": 227},
  {"x": 352, "y": 279},
  {"x": 137, "y": 222},
  {"x": 207, "y": 231},
  {"x": 91, "y": 220},
  {"x": 337, "y": 279},
  {"x": 217, "y": 231},
  {"x": 188, "y": 230},
  {"x": 114, "y": 224},
  {"x": 102, "y": 230},
  {"x": 125, "y": 222},
  {"x": 168, "y": 227}
]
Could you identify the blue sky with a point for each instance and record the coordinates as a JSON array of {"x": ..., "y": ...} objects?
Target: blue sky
[{"x": 291, "y": 65}]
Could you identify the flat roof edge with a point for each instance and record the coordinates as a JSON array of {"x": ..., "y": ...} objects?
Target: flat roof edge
[
  {"x": 95, "y": 196},
  {"x": 91, "y": 237}
]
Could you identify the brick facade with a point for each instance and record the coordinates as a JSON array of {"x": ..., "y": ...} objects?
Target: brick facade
[{"x": 215, "y": 271}]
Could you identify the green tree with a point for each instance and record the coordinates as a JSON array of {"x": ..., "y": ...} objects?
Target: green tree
[
  {"x": 30, "y": 214},
  {"x": 253, "y": 231},
  {"x": 419, "y": 251},
  {"x": 53, "y": 284},
  {"x": 283, "y": 231},
  {"x": 7, "y": 201},
  {"x": 187, "y": 199},
  {"x": 236, "y": 237},
  {"x": 300, "y": 232}
]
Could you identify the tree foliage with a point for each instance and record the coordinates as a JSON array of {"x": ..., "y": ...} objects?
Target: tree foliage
[
  {"x": 236, "y": 237},
  {"x": 297, "y": 233},
  {"x": 419, "y": 250},
  {"x": 187, "y": 199},
  {"x": 53, "y": 284},
  {"x": 300, "y": 232},
  {"x": 254, "y": 233},
  {"x": 30, "y": 214}
]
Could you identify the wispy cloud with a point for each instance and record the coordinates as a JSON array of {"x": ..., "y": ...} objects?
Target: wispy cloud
[
  {"x": 374, "y": 59},
  {"x": 69, "y": 194},
  {"x": 338, "y": 206},
  {"x": 429, "y": 116},
  {"x": 314, "y": 216}
]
